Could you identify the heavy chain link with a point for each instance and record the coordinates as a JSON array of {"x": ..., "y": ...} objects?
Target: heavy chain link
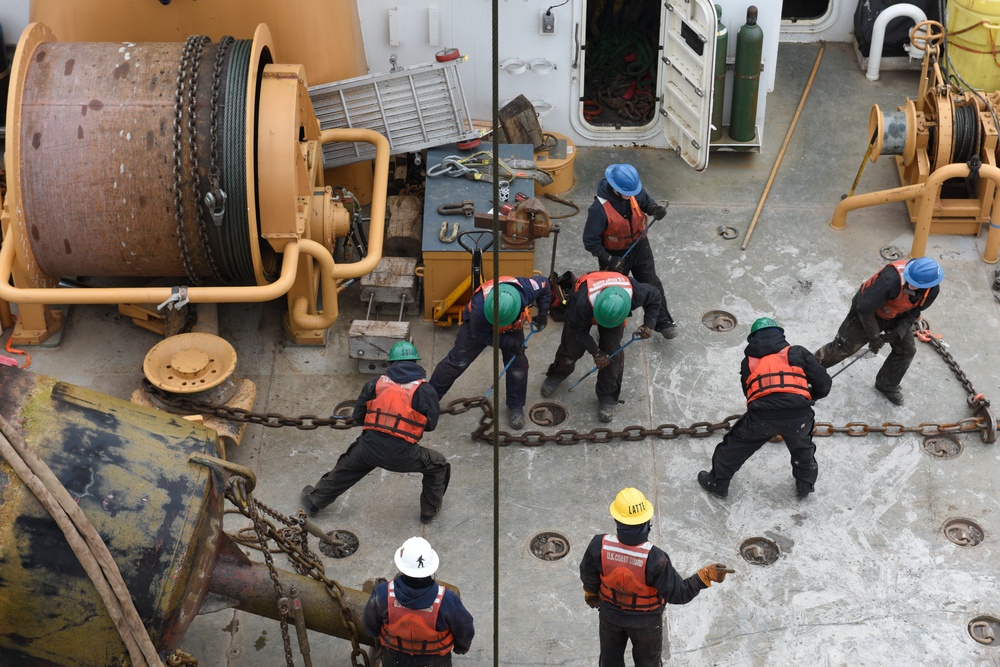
[
  {"x": 985, "y": 425},
  {"x": 291, "y": 540},
  {"x": 182, "y": 75}
]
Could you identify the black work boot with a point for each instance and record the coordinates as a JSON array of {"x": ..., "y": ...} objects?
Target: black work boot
[
  {"x": 894, "y": 394},
  {"x": 550, "y": 385},
  {"x": 668, "y": 330},
  {"x": 706, "y": 482},
  {"x": 307, "y": 504},
  {"x": 802, "y": 491},
  {"x": 515, "y": 417},
  {"x": 606, "y": 412}
]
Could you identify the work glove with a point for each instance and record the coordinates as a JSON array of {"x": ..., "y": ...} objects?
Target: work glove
[
  {"x": 541, "y": 320},
  {"x": 593, "y": 600},
  {"x": 601, "y": 360},
  {"x": 461, "y": 650},
  {"x": 644, "y": 332},
  {"x": 616, "y": 264},
  {"x": 715, "y": 572},
  {"x": 875, "y": 344},
  {"x": 659, "y": 213}
]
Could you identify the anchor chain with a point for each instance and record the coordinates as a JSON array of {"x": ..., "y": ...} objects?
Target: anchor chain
[
  {"x": 293, "y": 542},
  {"x": 986, "y": 426}
]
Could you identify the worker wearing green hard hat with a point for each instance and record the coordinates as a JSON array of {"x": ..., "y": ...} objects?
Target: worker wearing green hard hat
[
  {"x": 505, "y": 308},
  {"x": 604, "y": 298},
  {"x": 394, "y": 411},
  {"x": 781, "y": 382}
]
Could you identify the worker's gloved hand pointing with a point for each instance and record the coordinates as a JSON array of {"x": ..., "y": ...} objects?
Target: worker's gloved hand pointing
[
  {"x": 593, "y": 600},
  {"x": 644, "y": 332},
  {"x": 601, "y": 360},
  {"x": 616, "y": 264},
  {"x": 659, "y": 213},
  {"x": 715, "y": 572}
]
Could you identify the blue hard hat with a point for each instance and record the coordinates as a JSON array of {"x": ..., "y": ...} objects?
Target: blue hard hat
[
  {"x": 923, "y": 272},
  {"x": 624, "y": 179}
]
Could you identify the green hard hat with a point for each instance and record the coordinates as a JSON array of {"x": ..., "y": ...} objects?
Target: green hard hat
[
  {"x": 510, "y": 304},
  {"x": 403, "y": 351},
  {"x": 763, "y": 323},
  {"x": 612, "y": 306}
]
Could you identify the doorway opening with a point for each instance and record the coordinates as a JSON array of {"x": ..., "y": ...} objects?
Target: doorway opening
[{"x": 622, "y": 62}]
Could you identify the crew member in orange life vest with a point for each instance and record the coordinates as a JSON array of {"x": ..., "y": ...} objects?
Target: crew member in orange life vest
[
  {"x": 884, "y": 310},
  {"x": 630, "y": 581},
  {"x": 394, "y": 410},
  {"x": 615, "y": 221},
  {"x": 417, "y": 621},
  {"x": 781, "y": 383},
  {"x": 604, "y": 298}
]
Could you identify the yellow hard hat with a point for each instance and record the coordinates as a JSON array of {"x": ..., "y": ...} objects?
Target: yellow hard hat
[{"x": 631, "y": 507}]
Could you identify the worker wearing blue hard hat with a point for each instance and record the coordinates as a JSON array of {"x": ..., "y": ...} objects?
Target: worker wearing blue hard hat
[
  {"x": 615, "y": 233},
  {"x": 884, "y": 310}
]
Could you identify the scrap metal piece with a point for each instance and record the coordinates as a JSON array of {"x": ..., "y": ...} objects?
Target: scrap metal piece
[{"x": 444, "y": 236}]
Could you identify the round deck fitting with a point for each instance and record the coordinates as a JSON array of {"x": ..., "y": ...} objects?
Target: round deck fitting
[
  {"x": 759, "y": 551},
  {"x": 890, "y": 253},
  {"x": 719, "y": 320},
  {"x": 344, "y": 543},
  {"x": 985, "y": 630},
  {"x": 189, "y": 363},
  {"x": 963, "y": 532},
  {"x": 942, "y": 446},
  {"x": 548, "y": 413},
  {"x": 549, "y": 546}
]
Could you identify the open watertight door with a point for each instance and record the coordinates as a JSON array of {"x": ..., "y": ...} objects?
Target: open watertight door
[{"x": 688, "y": 74}]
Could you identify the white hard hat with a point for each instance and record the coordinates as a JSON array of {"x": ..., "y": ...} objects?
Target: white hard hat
[{"x": 416, "y": 558}]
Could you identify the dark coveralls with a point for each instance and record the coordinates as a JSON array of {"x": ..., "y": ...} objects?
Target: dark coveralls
[
  {"x": 639, "y": 263},
  {"x": 862, "y": 326},
  {"x": 419, "y": 593},
  {"x": 476, "y": 334},
  {"x": 644, "y": 628},
  {"x": 786, "y": 414},
  {"x": 576, "y": 339},
  {"x": 374, "y": 449}
]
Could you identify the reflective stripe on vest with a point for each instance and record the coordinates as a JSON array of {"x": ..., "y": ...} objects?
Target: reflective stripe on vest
[
  {"x": 901, "y": 303},
  {"x": 413, "y": 631},
  {"x": 596, "y": 281},
  {"x": 487, "y": 287},
  {"x": 391, "y": 411},
  {"x": 621, "y": 233},
  {"x": 773, "y": 374},
  {"x": 623, "y": 576}
]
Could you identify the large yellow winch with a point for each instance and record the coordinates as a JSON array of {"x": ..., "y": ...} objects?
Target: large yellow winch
[{"x": 197, "y": 162}]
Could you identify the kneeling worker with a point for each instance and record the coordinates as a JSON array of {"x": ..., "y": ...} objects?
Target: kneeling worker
[
  {"x": 515, "y": 295},
  {"x": 418, "y": 622}
]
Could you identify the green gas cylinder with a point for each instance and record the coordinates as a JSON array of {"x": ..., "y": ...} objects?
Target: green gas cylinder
[
  {"x": 746, "y": 78},
  {"x": 719, "y": 89}
]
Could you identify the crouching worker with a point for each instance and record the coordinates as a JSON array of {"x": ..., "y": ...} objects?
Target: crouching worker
[
  {"x": 394, "y": 410},
  {"x": 515, "y": 295},
  {"x": 418, "y": 622}
]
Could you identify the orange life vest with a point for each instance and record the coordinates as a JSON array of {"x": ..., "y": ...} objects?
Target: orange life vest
[
  {"x": 391, "y": 411},
  {"x": 901, "y": 303},
  {"x": 621, "y": 233},
  {"x": 623, "y": 576},
  {"x": 773, "y": 374},
  {"x": 486, "y": 287},
  {"x": 413, "y": 631}
]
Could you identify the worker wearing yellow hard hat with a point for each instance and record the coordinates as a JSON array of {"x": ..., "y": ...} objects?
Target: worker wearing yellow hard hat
[{"x": 630, "y": 581}]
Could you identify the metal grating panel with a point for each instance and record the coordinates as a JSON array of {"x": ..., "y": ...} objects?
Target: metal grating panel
[{"x": 414, "y": 108}]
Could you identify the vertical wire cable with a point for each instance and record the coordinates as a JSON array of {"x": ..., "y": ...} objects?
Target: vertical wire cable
[{"x": 496, "y": 334}]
